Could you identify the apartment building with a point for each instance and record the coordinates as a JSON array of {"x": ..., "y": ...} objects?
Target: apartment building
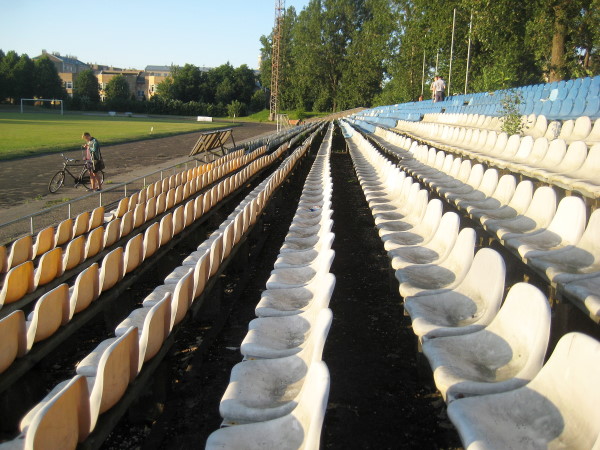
[{"x": 142, "y": 83}]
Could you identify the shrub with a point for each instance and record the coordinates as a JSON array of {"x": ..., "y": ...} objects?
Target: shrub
[{"x": 510, "y": 115}]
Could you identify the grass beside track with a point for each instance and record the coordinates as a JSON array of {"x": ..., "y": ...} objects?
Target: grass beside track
[{"x": 33, "y": 133}]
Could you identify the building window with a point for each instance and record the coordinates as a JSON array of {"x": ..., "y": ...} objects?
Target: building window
[{"x": 69, "y": 84}]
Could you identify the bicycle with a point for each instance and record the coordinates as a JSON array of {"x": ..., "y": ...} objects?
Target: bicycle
[{"x": 82, "y": 179}]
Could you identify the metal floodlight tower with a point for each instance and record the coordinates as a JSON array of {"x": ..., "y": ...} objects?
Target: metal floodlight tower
[{"x": 276, "y": 58}]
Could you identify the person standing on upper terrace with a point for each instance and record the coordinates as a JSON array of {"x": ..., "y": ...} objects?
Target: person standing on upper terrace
[{"x": 439, "y": 86}]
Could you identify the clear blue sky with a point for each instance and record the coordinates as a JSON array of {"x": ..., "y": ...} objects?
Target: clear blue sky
[{"x": 136, "y": 33}]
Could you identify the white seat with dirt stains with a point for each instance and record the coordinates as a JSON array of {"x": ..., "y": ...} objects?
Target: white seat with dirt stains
[
  {"x": 565, "y": 229},
  {"x": 295, "y": 300},
  {"x": 558, "y": 408},
  {"x": 305, "y": 257},
  {"x": 465, "y": 309},
  {"x": 290, "y": 277},
  {"x": 503, "y": 356},
  {"x": 266, "y": 389},
  {"x": 446, "y": 273},
  {"x": 422, "y": 229},
  {"x": 276, "y": 337},
  {"x": 435, "y": 249},
  {"x": 538, "y": 215},
  {"x": 587, "y": 292},
  {"x": 301, "y": 428},
  {"x": 517, "y": 204},
  {"x": 571, "y": 262}
]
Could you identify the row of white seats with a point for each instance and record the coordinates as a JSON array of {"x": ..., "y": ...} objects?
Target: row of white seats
[
  {"x": 277, "y": 395},
  {"x": 572, "y": 167},
  {"x": 136, "y": 210},
  {"x": 69, "y": 413},
  {"x": 557, "y": 242},
  {"x": 580, "y": 129},
  {"x": 57, "y": 307},
  {"x": 494, "y": 355}
]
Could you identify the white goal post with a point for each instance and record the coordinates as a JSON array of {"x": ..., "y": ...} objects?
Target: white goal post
[{"x": 41, "y": 100}]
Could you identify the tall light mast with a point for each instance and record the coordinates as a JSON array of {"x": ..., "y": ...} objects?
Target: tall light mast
[{"x": 276, "y": 58}]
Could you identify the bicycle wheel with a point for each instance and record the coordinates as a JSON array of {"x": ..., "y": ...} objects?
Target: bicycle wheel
[
  {"x": 84, "y": 178},
  {"x": 56, "y": 182}
]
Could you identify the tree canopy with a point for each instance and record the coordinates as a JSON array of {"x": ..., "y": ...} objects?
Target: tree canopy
[
  {"x": 339, "y": 54},
  {"x": 21, "y": 77}
]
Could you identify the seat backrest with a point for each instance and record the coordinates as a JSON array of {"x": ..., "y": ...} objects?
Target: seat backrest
[
  {"x": 155, "y": 330},
  {"x": 484, "y": 283},
  {"x": 569, "y": 220},
  {"x": 569, "y": 380},
  {"x": 81, "y": 224},
  {"x": 44, "y": 241},
  {"x": 49, "y": 267},
  {"x": 117, "y": 368},
  {"x": 216, "y": 254},
  {"x": 18, "y": 281},
  {"x": 64, "y": 232},
  {"x": 112, "y": 232},
  {"x": 574, "y": 158},
  {"x": 182, "y": 298},
  {"x": 542, "y": 207},
  {"x": 111, "y": 270},
  {"x": 189, "y": 213},
  {"x": 524, "y": 323},
  {"x": 166, "y": 229},
  {"x": 178, "y": 220},
  {"x": 139, "y": 214},
  {"x": 74, "y": 253},
  {"x": 50, "y": 311},
  {"x": 150, "y": 208},
  {"x": 161, "y": 203},
  {"x": 555, "y": 154},
  {"x": 522, "y": 196},
  {"x": 134, "y": 253},
  {"x": 313, "y": 348},
  {"x": 151, "y": 240},
  {"x": 85, "y": 290},
  {"x": 62, "y": 421},
  {"x": 96, "y": 218},
  {"x": 201, "y": 274},
  {"x": 126, "y": 223},
  {"x": 20, "y": 251},
  {"x": 13, "y": 341},
  {"x": 94, "y": 242},
  {"x": 312, "y": 404}
]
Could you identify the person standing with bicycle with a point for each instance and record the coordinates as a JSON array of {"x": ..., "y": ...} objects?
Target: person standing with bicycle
[{"x": 94, "y": 157}]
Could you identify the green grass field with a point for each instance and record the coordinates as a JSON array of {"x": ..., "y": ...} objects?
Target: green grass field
[{"x": 35, "y": 133}]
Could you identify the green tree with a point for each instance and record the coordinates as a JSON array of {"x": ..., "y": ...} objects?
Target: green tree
[
  {"x": 117, "y": 89},
  {"x": 9, "y": 75},
  {"x": 235, "y": 108},
  {"x": 165, "y": 89},
  {"x": 367, "y": 56},
  {"x": 86, "y": 89},
  {"x": 47, "y": 83}
]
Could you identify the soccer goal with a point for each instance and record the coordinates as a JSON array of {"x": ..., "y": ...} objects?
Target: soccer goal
[{"x": 42, "y": 105}]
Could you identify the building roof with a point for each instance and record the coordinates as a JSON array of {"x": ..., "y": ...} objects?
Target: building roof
[{"x": 158, "y": 68}]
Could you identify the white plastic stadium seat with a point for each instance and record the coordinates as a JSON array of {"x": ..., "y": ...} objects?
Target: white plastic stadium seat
[
  {"x": 503, "y": 356},
  {"x": 557, "y": 409}
]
